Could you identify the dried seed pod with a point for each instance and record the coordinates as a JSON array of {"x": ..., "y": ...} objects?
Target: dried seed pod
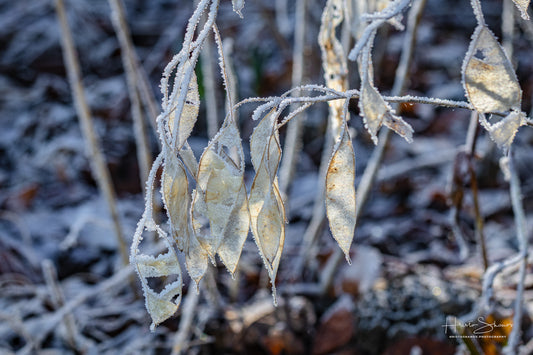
[
  {"x": 267, "y": 213},
  {"x": 219, "y": 197},
  {"x": 175, "y": 192},
  {"x": 191, "y": 106},
  {"x": 160, "y": 305},
  {"x": 488, "y": 76},
  {"x": 340, "y": 192}
]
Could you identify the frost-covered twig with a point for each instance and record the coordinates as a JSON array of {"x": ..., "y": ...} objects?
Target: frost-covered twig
[
  {"x": 99, "y": 168},
  {"x": 394, "y": 8}
]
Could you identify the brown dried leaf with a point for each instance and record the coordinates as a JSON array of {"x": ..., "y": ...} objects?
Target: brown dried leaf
[
  {"x": 175, "y": 191},
  {"x": 340, "y": 193},
  {"x": 160, "y": 305},
  {"x": 190, "y": 110},
  {"x": 376, "y": 112},
  {"x": 522, "y": 6},
  {"x": 333, "y": 58},
  {"x": 488, "y": 76}
]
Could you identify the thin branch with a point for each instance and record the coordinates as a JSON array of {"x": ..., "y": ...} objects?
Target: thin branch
[
  {"x": 98, "y": 164},
  {"x": 144, "y": 157},
  {"x": 520, "y": 222},
  {"x": 187, "y": 316},
  {"x": 293, "y": 138}
]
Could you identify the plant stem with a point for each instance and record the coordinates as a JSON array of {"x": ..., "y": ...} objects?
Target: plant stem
[
  {"x": 98, "y": 164},
  {"x": 144, "y": 157},
  {"x": 293, "y": 138},
  {"x": 520, "y": 222}
]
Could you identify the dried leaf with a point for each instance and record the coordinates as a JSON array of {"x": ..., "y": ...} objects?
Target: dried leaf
[
  {"x": 238, "y": 5},
  {"x": 340, "y": 193},
  {"x": 488, "y": 76},
  {"x": 333, "y": 58},
  {"x": 195, "y": 259},
  {"x": 376, "y": 112},
  {"x": 189, "y": 114},
  {"x": 175, "y": 191},
  {"x": 219, "y": 198},
  {"x": 235, "y": 232},
  {"x": 504, "y": 131},
  {"x": 522, "y": 6},
  {"x": 160, "y": 305},
  {"x": 267, "y": 213}
]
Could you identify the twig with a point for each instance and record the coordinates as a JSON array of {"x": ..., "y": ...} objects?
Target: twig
[
  {"x": 129, "y": 57},
  {"x": 470, "y": 151},
  {"x": 117, "y": 280},
  {"x": 520, "y": 222},
  {"x": 395, "y": 8},
  {"x": 478, "y": 12},
  {"x": 508, "y": 27},
  {"x": 293, "y": 138},
  {"x": 99, "y": 168},
  {"x": 208, "y": 79},
  {"x": 58, "y": 299},
  {"x": 187, "y": 316}
]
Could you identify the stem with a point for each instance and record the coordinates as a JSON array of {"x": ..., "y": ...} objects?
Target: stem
[
  {"x": 144, "y": 157},
  {"x": 98, "y": 164},
  {"x": 211, "y": 107},
  {"x": 478, "y": 12},
  {"x": 293, "y": 138},
  {"x": 470, "y": 151},
  {"x": 520, "y": 221}
]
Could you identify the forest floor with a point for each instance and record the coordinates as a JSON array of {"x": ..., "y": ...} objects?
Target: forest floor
[{"x": 63, "y": 289}]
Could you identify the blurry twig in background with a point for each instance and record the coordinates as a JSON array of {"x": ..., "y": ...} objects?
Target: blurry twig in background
[
  {"x": 127, "y": 52},
  {"x": 95, "y": 155},
  {"x": 293, "y": 138},
  {"x": 520, "y": 222}
]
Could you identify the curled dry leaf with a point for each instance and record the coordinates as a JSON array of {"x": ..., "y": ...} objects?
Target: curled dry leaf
[
  {"x": 376, "y": 112},
  {"x": 191, "y": 107},
  {"x": 221, "y": 198},
  {"x": 488, "y": 76},
  {"x": 175, "y": 192},
  {"x": 333, "y": 58},
  {"x": 522, "y": 6},
  {"x": 160, "y": 305},
  {"x": 267, "y": 213},
  {"x": 504, "y": 131},
  {"x": 340, "y": 193}
]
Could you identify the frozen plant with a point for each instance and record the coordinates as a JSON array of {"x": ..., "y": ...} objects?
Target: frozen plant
[{"x": 216, "y": 216}]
